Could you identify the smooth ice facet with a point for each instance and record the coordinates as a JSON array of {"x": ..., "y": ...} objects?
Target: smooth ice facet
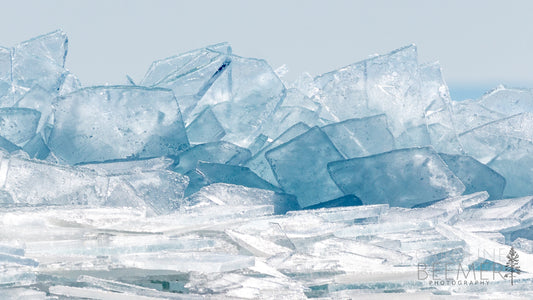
[
  {"x": 475, "y": 176},
  {"x": 308, "y": 154},
  {"x": 404, "y": 178},
  {"x": 114, "y": 122}
]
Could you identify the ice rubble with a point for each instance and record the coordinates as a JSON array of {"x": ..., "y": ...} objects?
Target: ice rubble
[{"x": 213, "y": 178}]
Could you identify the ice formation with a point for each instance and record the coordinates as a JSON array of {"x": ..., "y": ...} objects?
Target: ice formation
[{"x": 214, "y": 178}]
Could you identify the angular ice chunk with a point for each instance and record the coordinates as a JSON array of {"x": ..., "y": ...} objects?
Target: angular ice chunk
[
  {"x": 258, "y": 162},
  {"x": 7, "y": 145},
  {"x": 300, "y": 167},
  {"x": 40, "y": 61},
  {"x": 18, "y": 125},
  {"x": 404, "y": 177},
  {"x": 5, "y": 75},
  {"x": 217, "y": 152},
  {"x": 205, "y": 128},
  {"x": 361, "y": 137},
  {"x": 508, "y": 101},
  {"x": 234, "y": 195},
  {"x": 36, "y": 148},
  {"x": 295, "y": 98},
  {"x": 255, "y": 93},
  {"x": 114, "y": 122},
  {"x": 438, "y": 109},
  {"x": 475, "y": 176},
  {"x": 209, "y": 173}
]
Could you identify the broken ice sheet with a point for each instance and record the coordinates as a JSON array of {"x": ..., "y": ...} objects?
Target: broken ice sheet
[
  {"x": 114, "y": 122},
  {"x": 475, "y": 176},
  {"x": 307, "y": 154},
  {"x": 216, "y": 152},
  {"x": 259, "y": 164},
  {"x": 404, "y": 178},
  {"x": 209, "y": 173},
  {"x": 205, "y": 128}
]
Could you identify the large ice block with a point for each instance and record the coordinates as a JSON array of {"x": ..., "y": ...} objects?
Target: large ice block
[
  {"x": 217, "y": 152},
  {"x": 114, "y": 122},
  {"x": 234, "y": 195},
  {"x": 404, "y": 177},
  {"x": 475, "y": 176},
  {"x": 308, "y": 154},
  {"x": 209, "y": 173},
  {"x": 361, "y": 137}
]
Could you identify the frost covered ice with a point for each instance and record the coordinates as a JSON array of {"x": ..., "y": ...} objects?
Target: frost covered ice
[{"x": 214, "y": 178}]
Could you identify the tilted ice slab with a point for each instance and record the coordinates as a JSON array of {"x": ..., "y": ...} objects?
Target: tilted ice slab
[
  {"x": 403, "y": 178},
  {"x": 105, "y": 123}
]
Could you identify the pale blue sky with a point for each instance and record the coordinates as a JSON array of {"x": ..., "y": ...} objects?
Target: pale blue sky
[{"x": 479, "y": 43}]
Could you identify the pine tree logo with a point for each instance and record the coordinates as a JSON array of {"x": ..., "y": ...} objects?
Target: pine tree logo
[{"x": 512, "y": 265}]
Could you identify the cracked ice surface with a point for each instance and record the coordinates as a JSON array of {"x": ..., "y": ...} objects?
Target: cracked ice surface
[{"x": 214, "y": 178}]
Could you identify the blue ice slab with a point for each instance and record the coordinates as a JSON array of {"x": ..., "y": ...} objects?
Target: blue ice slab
[
  {"x": 361, "y": 137},
  {"x": 258, "y": 162},
  {"x": 205, "y": 128},
  {"x": 116, "y": 122},
  {"x": 300, "y": 167},
  {"x": 404, "y": 177},
  {"x": 209, "y": 173},
  {"x": 7, "y": 145},
  {"x": 18, "y": 125},
  {"x": 347, "y": 200},
  {"x": 217, "y": 152},
  {"x": 475, "y": 176}
]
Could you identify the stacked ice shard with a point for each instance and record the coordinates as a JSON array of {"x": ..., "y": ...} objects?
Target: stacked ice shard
[{"x": 215, "y": 178}]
